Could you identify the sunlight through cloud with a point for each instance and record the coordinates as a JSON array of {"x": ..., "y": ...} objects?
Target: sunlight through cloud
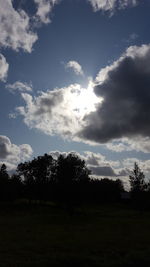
[
  {"x": 84, "y": 100},
  {"x": 60, "y": 111}
]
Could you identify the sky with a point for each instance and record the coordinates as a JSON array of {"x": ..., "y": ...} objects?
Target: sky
[{"x": 75, "y": 77}]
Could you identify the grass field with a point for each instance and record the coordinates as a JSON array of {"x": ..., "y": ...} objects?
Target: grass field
[{"x": 47, "y": 236}]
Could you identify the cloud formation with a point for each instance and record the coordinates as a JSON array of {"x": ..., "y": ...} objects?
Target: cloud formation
[
  {"x": 44, "y": 7},
  {"x": 12, "y": 154},
  {"x": 75, "y": 66},
  {"x": 15, "y": 28},
  {"x": 53, "y": 112},
  {"x": 100, "y": 166},
  {"x": 19, "y": 86},
  {"x": 124, "y": 87},
  {"x": 59, "y": 111},
  {"x": 4, "y": 66},
  {"x": 119, "y": 117},
  {"x": 130, "y": 144},
  {"x": 111, "y": 5}
]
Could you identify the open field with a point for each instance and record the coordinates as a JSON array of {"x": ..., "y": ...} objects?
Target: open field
[{"x": 42, "y": 236}]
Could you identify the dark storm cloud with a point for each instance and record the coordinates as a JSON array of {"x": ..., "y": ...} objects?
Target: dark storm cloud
[
  {"x": 125, "y": 88},
  {"x": 103, "y": 171}
]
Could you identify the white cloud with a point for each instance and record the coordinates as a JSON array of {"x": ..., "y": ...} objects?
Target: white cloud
[
  {"x": 75, "y": 66},
  {"x": 12, "y": 154},
  {"x": 51, "y": 112},
  {"x": 4, "y": 66},
  {"x": 111, "y": 5},
  {"x": 103, "y": 4},
  {"x": 125, "y": 144},
  {"x": 15, "y": 28},
  {"x": 19, "y": 86},
  {"x": 60, "y": 111},
  {"x": 100, "y": 166},
  {"x": 94, "y": 159},
  {"x": 44, "y": 7}
]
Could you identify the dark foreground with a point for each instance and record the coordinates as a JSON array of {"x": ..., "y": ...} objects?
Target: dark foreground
[{"x": 42, "y": 236}]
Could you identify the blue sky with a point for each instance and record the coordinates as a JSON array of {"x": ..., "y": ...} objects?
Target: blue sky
[{"x": 74, "y": 76}]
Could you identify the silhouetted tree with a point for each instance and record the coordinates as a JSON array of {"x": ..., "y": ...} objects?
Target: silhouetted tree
[
  {"x": 137, "y": 180},
  {"x": 4, "y": 183},
  {"x": 24, "y": 170},
  {"x": 37, "y": 175},
  {"x": 3, "y": 173},
  {"x": 71, "y": 168},
  {"x": 139, "y": 188},
  {"x": 16, "y": 187},
  {"x": 71, "y": 176},
  {"x": 104, "y": 190}
]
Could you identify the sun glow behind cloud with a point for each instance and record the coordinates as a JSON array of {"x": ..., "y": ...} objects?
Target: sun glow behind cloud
[
  {"x": 83, "y": 100},
  {"x": 60, "y": 111}
]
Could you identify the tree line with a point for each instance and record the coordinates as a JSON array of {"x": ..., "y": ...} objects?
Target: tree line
[{"x": 67, "y": 180}]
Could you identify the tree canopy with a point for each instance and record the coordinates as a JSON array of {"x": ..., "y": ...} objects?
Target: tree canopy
[{"x": 71, "y": 168}]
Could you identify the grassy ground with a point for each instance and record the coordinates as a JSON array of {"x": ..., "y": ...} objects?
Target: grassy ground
[{"x": 43, "y": 236}]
